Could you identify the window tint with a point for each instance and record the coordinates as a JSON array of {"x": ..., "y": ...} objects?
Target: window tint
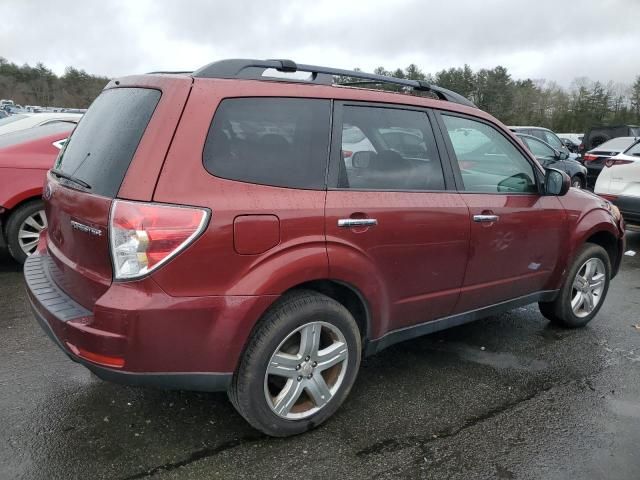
[
  {"x": 538, "y": 148},
  {"x": 103, "y": 144},
  {"x": 488, "y": 161},
  {"x": 388, "y": 149},
  {"x": 282, "y": 142}
]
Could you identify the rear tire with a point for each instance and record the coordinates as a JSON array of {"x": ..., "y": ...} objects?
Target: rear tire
[
  {"x": 23, "y": 228},
  {"x": 583, "y": 291},
  {"x": 283, "y": 386}
]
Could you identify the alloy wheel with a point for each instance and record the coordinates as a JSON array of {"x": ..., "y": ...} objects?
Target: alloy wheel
[
  {"x": 588, "y": 286},
  {"x": 29, "y": 231},
  {"x": 306, "y": 370}
]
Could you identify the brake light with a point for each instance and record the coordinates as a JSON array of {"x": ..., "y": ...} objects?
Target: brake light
[
  {"x": 611, "y": 162},
  {"x": 346, "y": 154},
  {"x": 589, "y": 158},
  {"x": 146, "y": 235}
]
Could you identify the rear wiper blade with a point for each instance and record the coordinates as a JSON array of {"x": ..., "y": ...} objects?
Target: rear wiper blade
[{"x": 71, "y": 178}]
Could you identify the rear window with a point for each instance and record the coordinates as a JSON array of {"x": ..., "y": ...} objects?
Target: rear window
[
  {"x": 617, "y": 144},
  {"x": 282, "y": 142},
  {"x": 103, "y": 144},
  {"x": 634, "y": 150}
]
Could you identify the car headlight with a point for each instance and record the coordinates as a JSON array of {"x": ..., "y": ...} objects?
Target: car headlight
[{"x": 615, "y": 211}]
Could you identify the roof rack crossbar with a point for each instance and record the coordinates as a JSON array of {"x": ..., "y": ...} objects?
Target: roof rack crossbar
[{"x": 254, "y": 70}]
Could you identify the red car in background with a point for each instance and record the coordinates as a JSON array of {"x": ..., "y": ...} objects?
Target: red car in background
[{"x": 25, "y": 157}]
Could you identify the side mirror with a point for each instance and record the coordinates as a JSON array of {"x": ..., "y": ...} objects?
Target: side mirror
[
  {"x": 361, "y": 159},
  {"x": 556, "y": 182},
  {"x": 562, "y": 155}
]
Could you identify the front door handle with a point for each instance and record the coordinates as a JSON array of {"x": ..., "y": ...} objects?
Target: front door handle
[
  {"x": 485, "y": 218},
  {"x": 357, "y": 222}
]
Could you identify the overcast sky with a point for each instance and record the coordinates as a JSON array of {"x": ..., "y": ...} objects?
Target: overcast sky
[{"x": 556, "y": 40}]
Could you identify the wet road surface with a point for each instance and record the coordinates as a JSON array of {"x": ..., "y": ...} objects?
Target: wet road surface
[{"x": 507, "y": 397}]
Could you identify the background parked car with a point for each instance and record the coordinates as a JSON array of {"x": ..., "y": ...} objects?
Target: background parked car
[
  {"x": 595, "y": 159},
  {"x": 22, "y": 121},
  {"x": 550, "y": 157},
  {"x": 596, "y": 136},
  {"x": 547, "y": 136},
  {"x": 619, "y": 182},
  {"x": 25, "y": 157},
  {"x": 572, "y": 141}
]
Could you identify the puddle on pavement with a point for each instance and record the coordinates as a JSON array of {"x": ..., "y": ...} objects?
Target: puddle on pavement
[{"x": 499, "y": 360}]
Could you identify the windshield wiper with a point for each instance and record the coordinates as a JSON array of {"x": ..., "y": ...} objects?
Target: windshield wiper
[{"x": 71, "y": 178}]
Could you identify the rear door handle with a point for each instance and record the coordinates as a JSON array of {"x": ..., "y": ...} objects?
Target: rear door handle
[
  {"x": 485, "y": 218},
  {"x": 357, "y": 222}
]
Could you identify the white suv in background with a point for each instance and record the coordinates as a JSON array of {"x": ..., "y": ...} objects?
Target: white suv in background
[{"x": 619, "y": 182}]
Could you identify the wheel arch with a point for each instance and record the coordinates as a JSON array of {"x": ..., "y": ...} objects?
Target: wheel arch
[
  {"x": 345, "y": 294},
  {"x": 610, "y": 243},
  {"x": 10, "y": 210}
]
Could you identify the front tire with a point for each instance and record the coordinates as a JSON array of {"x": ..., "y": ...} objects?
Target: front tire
[
  {"x": 23, "y": 229},
  {"x": 577, "y": 182},
  {"x": 299, "y": 365},
  {"x": 583, "y": 291}
]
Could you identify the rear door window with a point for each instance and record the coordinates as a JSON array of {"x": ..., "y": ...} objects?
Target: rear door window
[
  {"x": 388, "y": 149},
  {"x": 282, "y": 142},
  {"x": 103, "y": 144}
]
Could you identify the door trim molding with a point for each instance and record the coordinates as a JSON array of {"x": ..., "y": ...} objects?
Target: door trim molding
[{"x": 407, "y": 333}]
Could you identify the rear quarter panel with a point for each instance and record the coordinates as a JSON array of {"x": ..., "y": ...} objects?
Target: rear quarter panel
[
  {"x": 20, "y": 184},
  {"x": 212, "y": 266}
]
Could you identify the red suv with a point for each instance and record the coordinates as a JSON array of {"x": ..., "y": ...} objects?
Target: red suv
[{"x": 227, "y": 230}]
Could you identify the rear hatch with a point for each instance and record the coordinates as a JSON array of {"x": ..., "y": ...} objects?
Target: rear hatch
[{"x": 89, "y": 174}]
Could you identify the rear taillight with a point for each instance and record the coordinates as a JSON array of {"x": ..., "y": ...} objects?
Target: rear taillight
[
  {"x": 612, "y": 161},
  {"x": 346, "y": 154},
  {"x": 146, "y": 235},
  {"x": 589, "y": 158}
]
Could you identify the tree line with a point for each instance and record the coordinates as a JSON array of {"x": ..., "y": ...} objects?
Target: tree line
[
  {"x": 513, "y": 101},
  {"x": 536, "y": 102},
  {"x": 38, "y": 85}
]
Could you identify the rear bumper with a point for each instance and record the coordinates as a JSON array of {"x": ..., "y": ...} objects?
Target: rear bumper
[{"x": 139, "y": 335}]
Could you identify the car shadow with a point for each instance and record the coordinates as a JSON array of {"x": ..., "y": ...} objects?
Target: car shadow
[{"x": 7, "y": 263}]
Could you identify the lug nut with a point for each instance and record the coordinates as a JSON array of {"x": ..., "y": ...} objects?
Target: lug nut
[
  {"x": 298, "y": 367},
  {"x": 314, "y": 364},
  {"x": 307, "y": 358},
  {"x": 299, "y": 378},
  {"x": 310, "y": 375}
]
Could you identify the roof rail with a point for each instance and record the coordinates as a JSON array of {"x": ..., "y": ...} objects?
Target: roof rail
[
  {"x": 168, "y": 72},
  {"x": 254, "y": 69}
]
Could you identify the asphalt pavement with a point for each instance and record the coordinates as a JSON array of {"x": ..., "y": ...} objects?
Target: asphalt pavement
[{"x": 507, "y": 397}]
